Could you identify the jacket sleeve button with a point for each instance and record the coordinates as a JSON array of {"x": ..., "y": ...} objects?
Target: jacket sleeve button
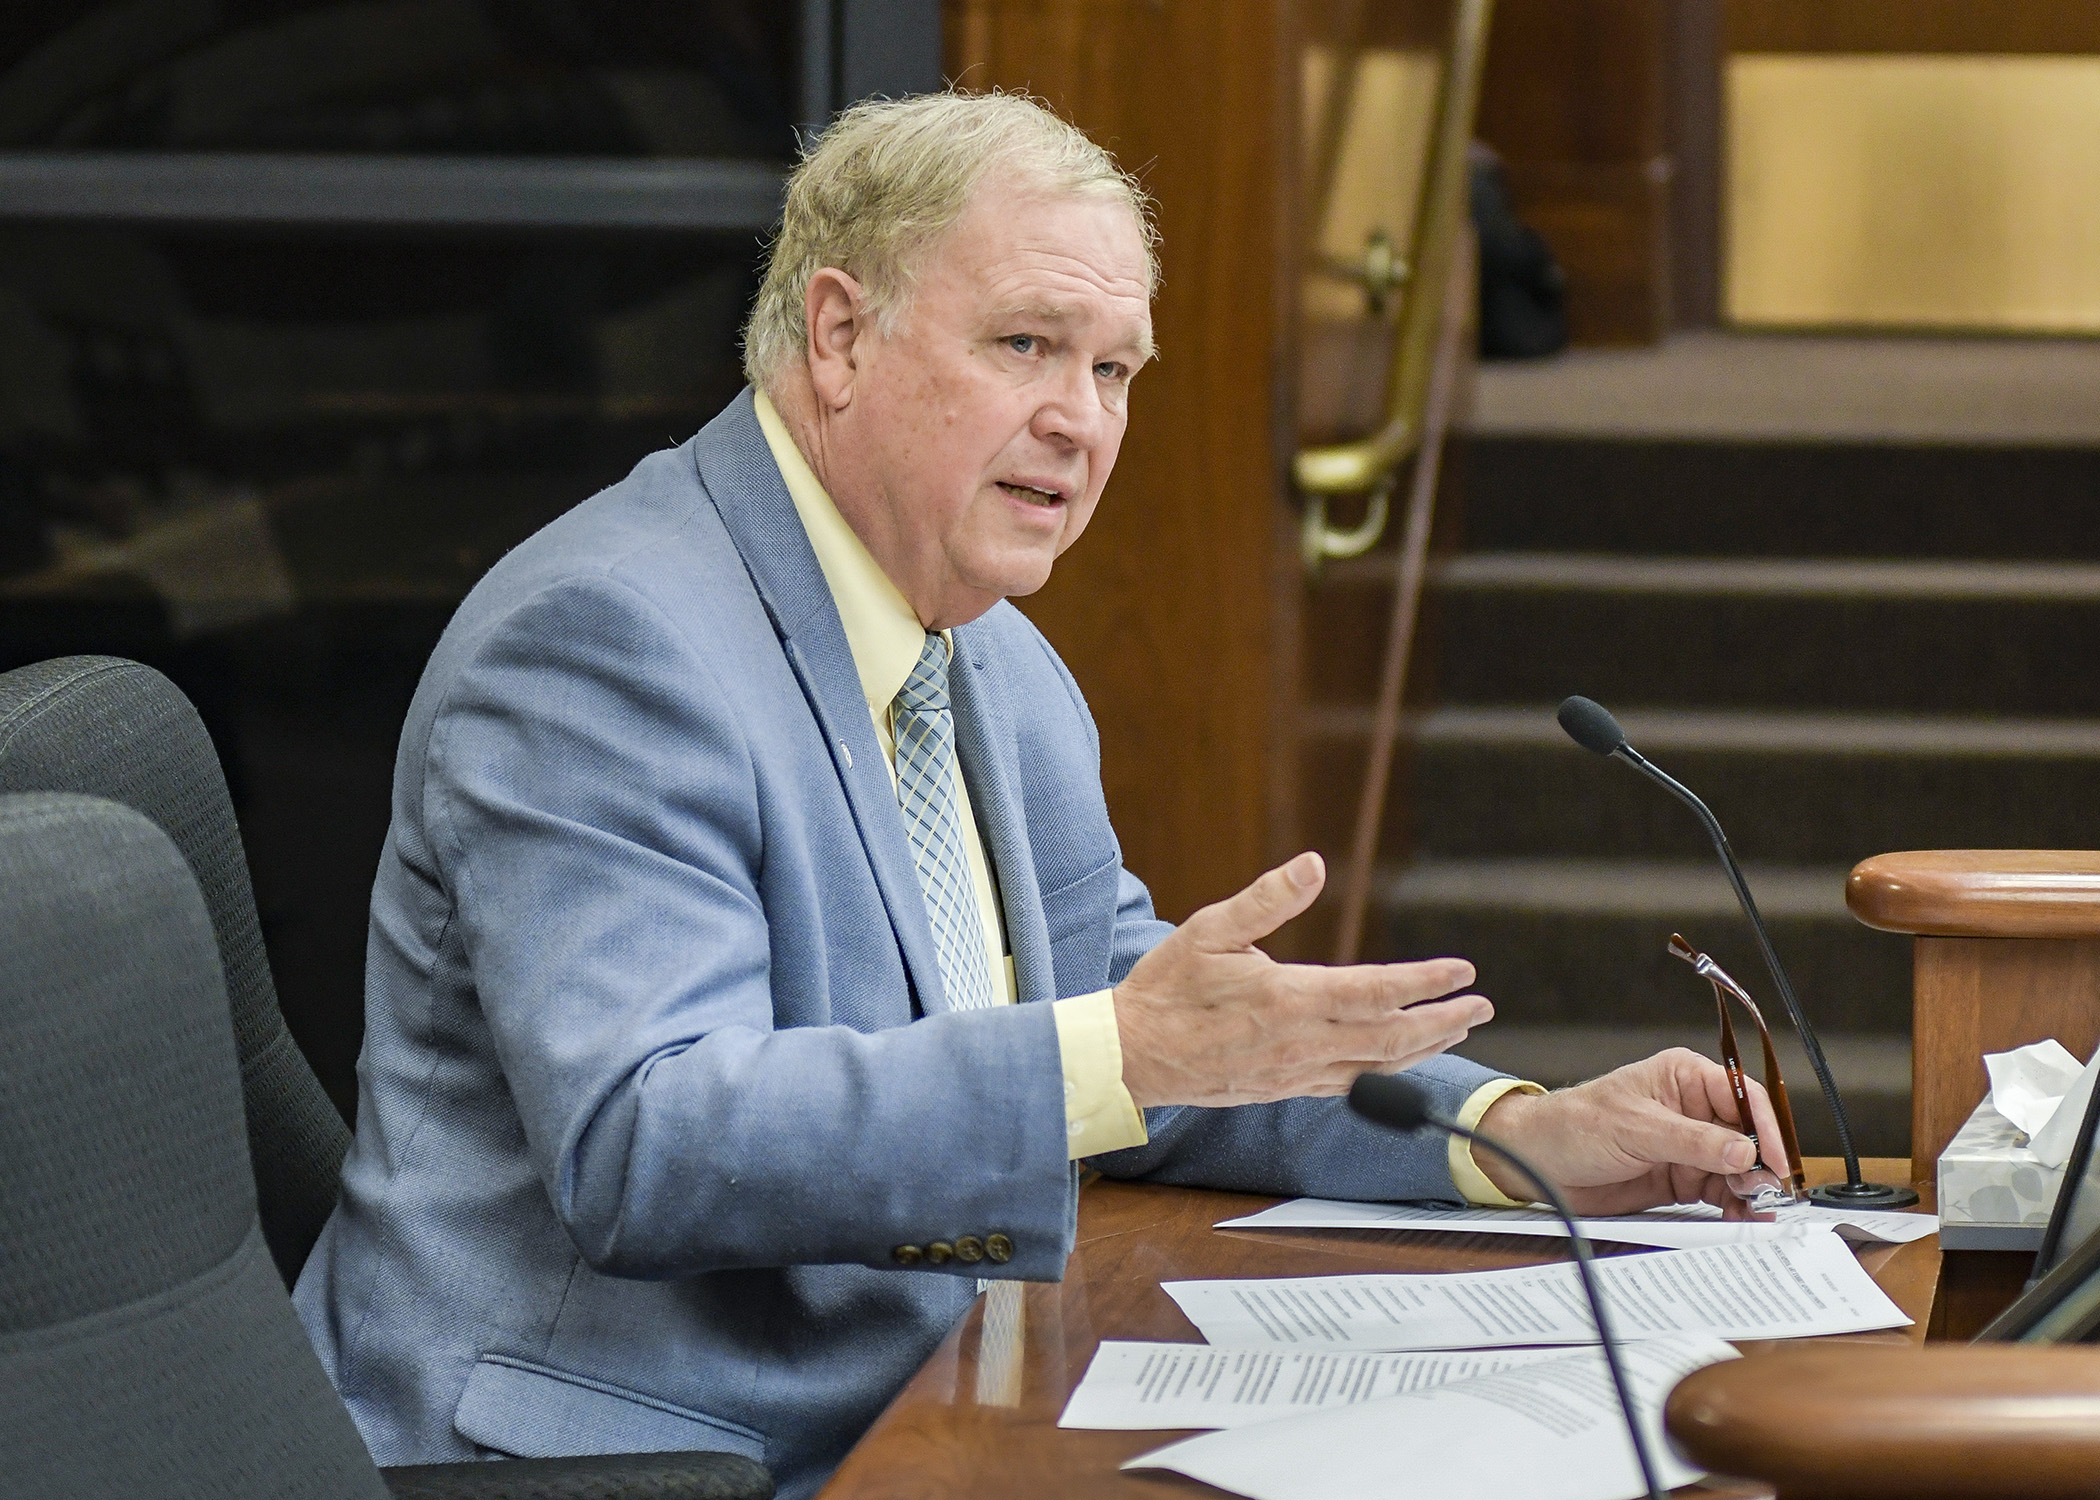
[
  {"x": 938, "y": 1252},
  {"x": 998, "y": 1249},
  {"x": 907, "y": 1255},
  {"x": 969, "y": 1249}
]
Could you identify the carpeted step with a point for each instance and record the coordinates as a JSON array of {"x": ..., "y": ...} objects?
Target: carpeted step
[
  {"x": 1935, "y": 638},
  {"x": 1582, "y": 941},
  {"x": 1848, "y": 590},
  {"x": 1785, "y": 499},
  {"x": 1791, "y": 788},
  {"x": 1804, "y": 388}
]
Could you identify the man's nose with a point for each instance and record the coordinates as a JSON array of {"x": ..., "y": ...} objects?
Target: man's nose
[{"x": 1072, "y": 413}]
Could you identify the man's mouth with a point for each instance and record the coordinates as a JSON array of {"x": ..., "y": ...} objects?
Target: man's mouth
[{"x": 1031, "y": 494}]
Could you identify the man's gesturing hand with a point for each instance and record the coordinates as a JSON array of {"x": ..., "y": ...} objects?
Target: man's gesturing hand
[
  {"x": 1208, "y": 1018},
  {"x": 1659, "y": 1131}
]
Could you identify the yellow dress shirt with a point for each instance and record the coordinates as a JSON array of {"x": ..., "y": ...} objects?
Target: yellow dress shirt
[
  {"x": 885, "y": 636},
  {"x": 1465, "y": 1172}
]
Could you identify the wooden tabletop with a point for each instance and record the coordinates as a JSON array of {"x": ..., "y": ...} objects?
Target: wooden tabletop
[{"x": 980, "y": 1419}]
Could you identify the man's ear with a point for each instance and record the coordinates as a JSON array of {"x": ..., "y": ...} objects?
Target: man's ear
[{"x": 833, "y": 315}]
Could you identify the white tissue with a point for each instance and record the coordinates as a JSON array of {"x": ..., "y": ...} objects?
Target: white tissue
[
  {"x": 2053, "y": 1142},
  {"x": 2028, "y": 1083},
  {"x": 2043, "y": 1091}
]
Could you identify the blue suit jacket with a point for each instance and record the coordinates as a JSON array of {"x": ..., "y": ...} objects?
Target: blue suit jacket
[{"x": 657, "y": 1067}]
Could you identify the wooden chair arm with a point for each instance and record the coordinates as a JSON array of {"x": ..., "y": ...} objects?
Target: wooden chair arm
[
  {"x": 1840, "y": 1421},
  {"x": 2005, "y": 893}
]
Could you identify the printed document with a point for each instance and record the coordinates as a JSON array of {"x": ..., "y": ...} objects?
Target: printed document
[
  {"x": 1683, "y": 1226},
  {"x": 1790, "y": 1287},
  {"x": 1131, "y": 1387},
  {"x": 1547, "y": 1430}
]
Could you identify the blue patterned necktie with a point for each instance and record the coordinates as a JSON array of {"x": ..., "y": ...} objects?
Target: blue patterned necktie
[{"x": 928, "y": 783}]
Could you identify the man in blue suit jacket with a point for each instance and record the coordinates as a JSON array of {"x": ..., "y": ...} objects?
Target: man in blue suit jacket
[{"x": 752, "y": 961}]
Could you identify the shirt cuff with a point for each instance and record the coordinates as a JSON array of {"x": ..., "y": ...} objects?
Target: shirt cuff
[
  {"x": 1099, "y": 1113},
  {"x": 1466, "y": 1176}
]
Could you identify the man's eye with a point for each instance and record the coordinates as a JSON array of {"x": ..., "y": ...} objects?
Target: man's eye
[
  {"x": 1021, "y": 343},
  {"x": 1109, "y": 370}
]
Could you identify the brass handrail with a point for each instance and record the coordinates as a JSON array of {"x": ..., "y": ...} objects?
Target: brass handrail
[
  {"x": 1413, "y": 564},
  {"x": 1367, "y": 467}
]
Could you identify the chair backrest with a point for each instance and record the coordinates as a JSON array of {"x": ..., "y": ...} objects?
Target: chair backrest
[
  {"x": 146, "y": 1345},
  {"x": 115, "y": 729}
]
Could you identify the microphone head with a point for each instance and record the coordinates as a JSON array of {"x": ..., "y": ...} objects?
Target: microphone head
[
  {"x": 1390, "y": 1099},
  {"x": 1590, "y": 725}
]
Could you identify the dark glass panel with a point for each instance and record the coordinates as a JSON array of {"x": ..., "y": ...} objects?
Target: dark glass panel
[{"x": 271, "y": 460}]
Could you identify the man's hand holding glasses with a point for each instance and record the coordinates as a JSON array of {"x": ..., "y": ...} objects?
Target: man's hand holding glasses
[{"x": 1663, "y": 1130}]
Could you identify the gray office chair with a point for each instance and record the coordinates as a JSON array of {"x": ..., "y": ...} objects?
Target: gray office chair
[
  {"x": 115, "y": 729},
  {"x": 146, "y": 1344}
]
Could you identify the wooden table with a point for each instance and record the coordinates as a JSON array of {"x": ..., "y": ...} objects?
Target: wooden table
[{"x": 980, "y": 1419}]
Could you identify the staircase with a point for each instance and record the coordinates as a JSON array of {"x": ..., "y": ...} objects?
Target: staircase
[{"x": 1847, "y": 646}]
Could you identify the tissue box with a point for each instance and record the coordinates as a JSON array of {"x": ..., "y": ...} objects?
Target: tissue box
[{"x": 1995, "y": 1194}]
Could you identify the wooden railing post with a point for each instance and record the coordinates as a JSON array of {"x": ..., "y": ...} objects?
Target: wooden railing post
[{"x": 2008, "y": 952}]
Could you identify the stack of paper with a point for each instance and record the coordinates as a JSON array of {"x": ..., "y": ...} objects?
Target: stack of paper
[
  {"x": 1148, "y": 1386},
  {"x": 1547, "y": 1430},
  {"x": 1681, "y": 1227},
  {"x": 1327, "y": 1385},
  {"x": 1791, "y": 1287}
]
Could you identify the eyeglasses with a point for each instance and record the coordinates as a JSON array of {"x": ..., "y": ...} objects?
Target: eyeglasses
[{"x": 1768, "y": 1192}]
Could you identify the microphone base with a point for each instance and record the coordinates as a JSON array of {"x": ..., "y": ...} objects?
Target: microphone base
[{"x": 1862, "y": 1195}]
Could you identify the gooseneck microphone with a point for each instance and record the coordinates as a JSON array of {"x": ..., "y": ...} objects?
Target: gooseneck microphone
[
  {"x": 1399, "y": 1103},
  {"x": 1591, "y": 726}
]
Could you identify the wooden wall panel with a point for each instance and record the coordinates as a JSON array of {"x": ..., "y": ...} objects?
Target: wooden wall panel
[
  {"x": 1576, "y": 80},
  {"x": 1976, "y": 995},
  {"x": 1913, "y": 26},
  {"x": 1856, "y": 27},
  {"x": 1576, "y": 102},
  {"x": 1172, "y": 608},
  {"x": 1694, "y": 138}
]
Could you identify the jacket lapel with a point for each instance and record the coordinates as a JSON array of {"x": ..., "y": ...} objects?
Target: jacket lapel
[
  {"x": 737, "y": 469},
  {"x": 985, "y": 746}
]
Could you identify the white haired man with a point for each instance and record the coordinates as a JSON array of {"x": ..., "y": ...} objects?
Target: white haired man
[{"x": 752, "y": 960}]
